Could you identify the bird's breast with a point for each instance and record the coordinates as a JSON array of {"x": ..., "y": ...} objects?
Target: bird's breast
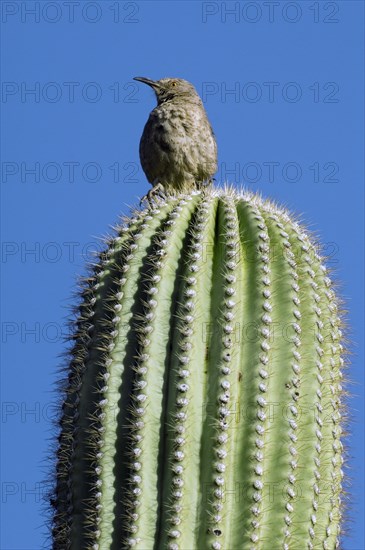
[{"x": 178, "y": 142}]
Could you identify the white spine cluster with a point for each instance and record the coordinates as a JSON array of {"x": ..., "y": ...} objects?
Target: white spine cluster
[
  {"x": 315, "y": 272},
  {"x": 225, "y": 377},
  {"x": 261, "y": 419},
  {"x": 293, "y": 409},
  {"x": 322, "y": 300},
  {"x": 129, "y": 248},
  {"x": 140, "y": 395},
  {"x": 187, "y": 331}
]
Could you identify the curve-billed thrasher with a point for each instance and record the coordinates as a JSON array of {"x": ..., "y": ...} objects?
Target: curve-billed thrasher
[{"x": 178, "y": 148}]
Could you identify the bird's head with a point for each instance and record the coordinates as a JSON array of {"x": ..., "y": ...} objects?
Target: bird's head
[{"x": 171, "y": 88}]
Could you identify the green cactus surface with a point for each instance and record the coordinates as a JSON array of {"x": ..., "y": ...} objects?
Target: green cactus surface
[{"x": 202, "y": 404}]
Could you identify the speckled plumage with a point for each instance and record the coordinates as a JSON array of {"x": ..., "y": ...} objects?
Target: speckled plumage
[{"x": 177, "y": 148}]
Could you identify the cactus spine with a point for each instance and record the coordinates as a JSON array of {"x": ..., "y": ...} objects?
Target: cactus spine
[{"x": 202, "y": 405}]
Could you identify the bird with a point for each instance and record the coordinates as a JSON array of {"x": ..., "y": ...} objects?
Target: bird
[{"x": 178, "y": 149}]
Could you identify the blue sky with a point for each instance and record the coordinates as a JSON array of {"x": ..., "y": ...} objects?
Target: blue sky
[{"x": 282, "y": 83}]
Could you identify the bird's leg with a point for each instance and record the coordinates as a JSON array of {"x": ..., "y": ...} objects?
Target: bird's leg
[
  {"x": 206, "y": 183},
  {"x": 156, "y": 191}
]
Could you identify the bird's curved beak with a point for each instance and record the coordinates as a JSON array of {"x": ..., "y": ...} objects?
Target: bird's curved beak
[{"x": 148, "y": 81}]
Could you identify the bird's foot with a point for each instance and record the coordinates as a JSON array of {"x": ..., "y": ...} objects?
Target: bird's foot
[{"x": 156, "y": 191}]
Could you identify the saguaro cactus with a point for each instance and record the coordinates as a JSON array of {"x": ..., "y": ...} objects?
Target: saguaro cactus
[{"x": 202, "y": 405}]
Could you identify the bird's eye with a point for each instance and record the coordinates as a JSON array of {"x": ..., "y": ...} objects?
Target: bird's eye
[{"x": 173, "y": 84}]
